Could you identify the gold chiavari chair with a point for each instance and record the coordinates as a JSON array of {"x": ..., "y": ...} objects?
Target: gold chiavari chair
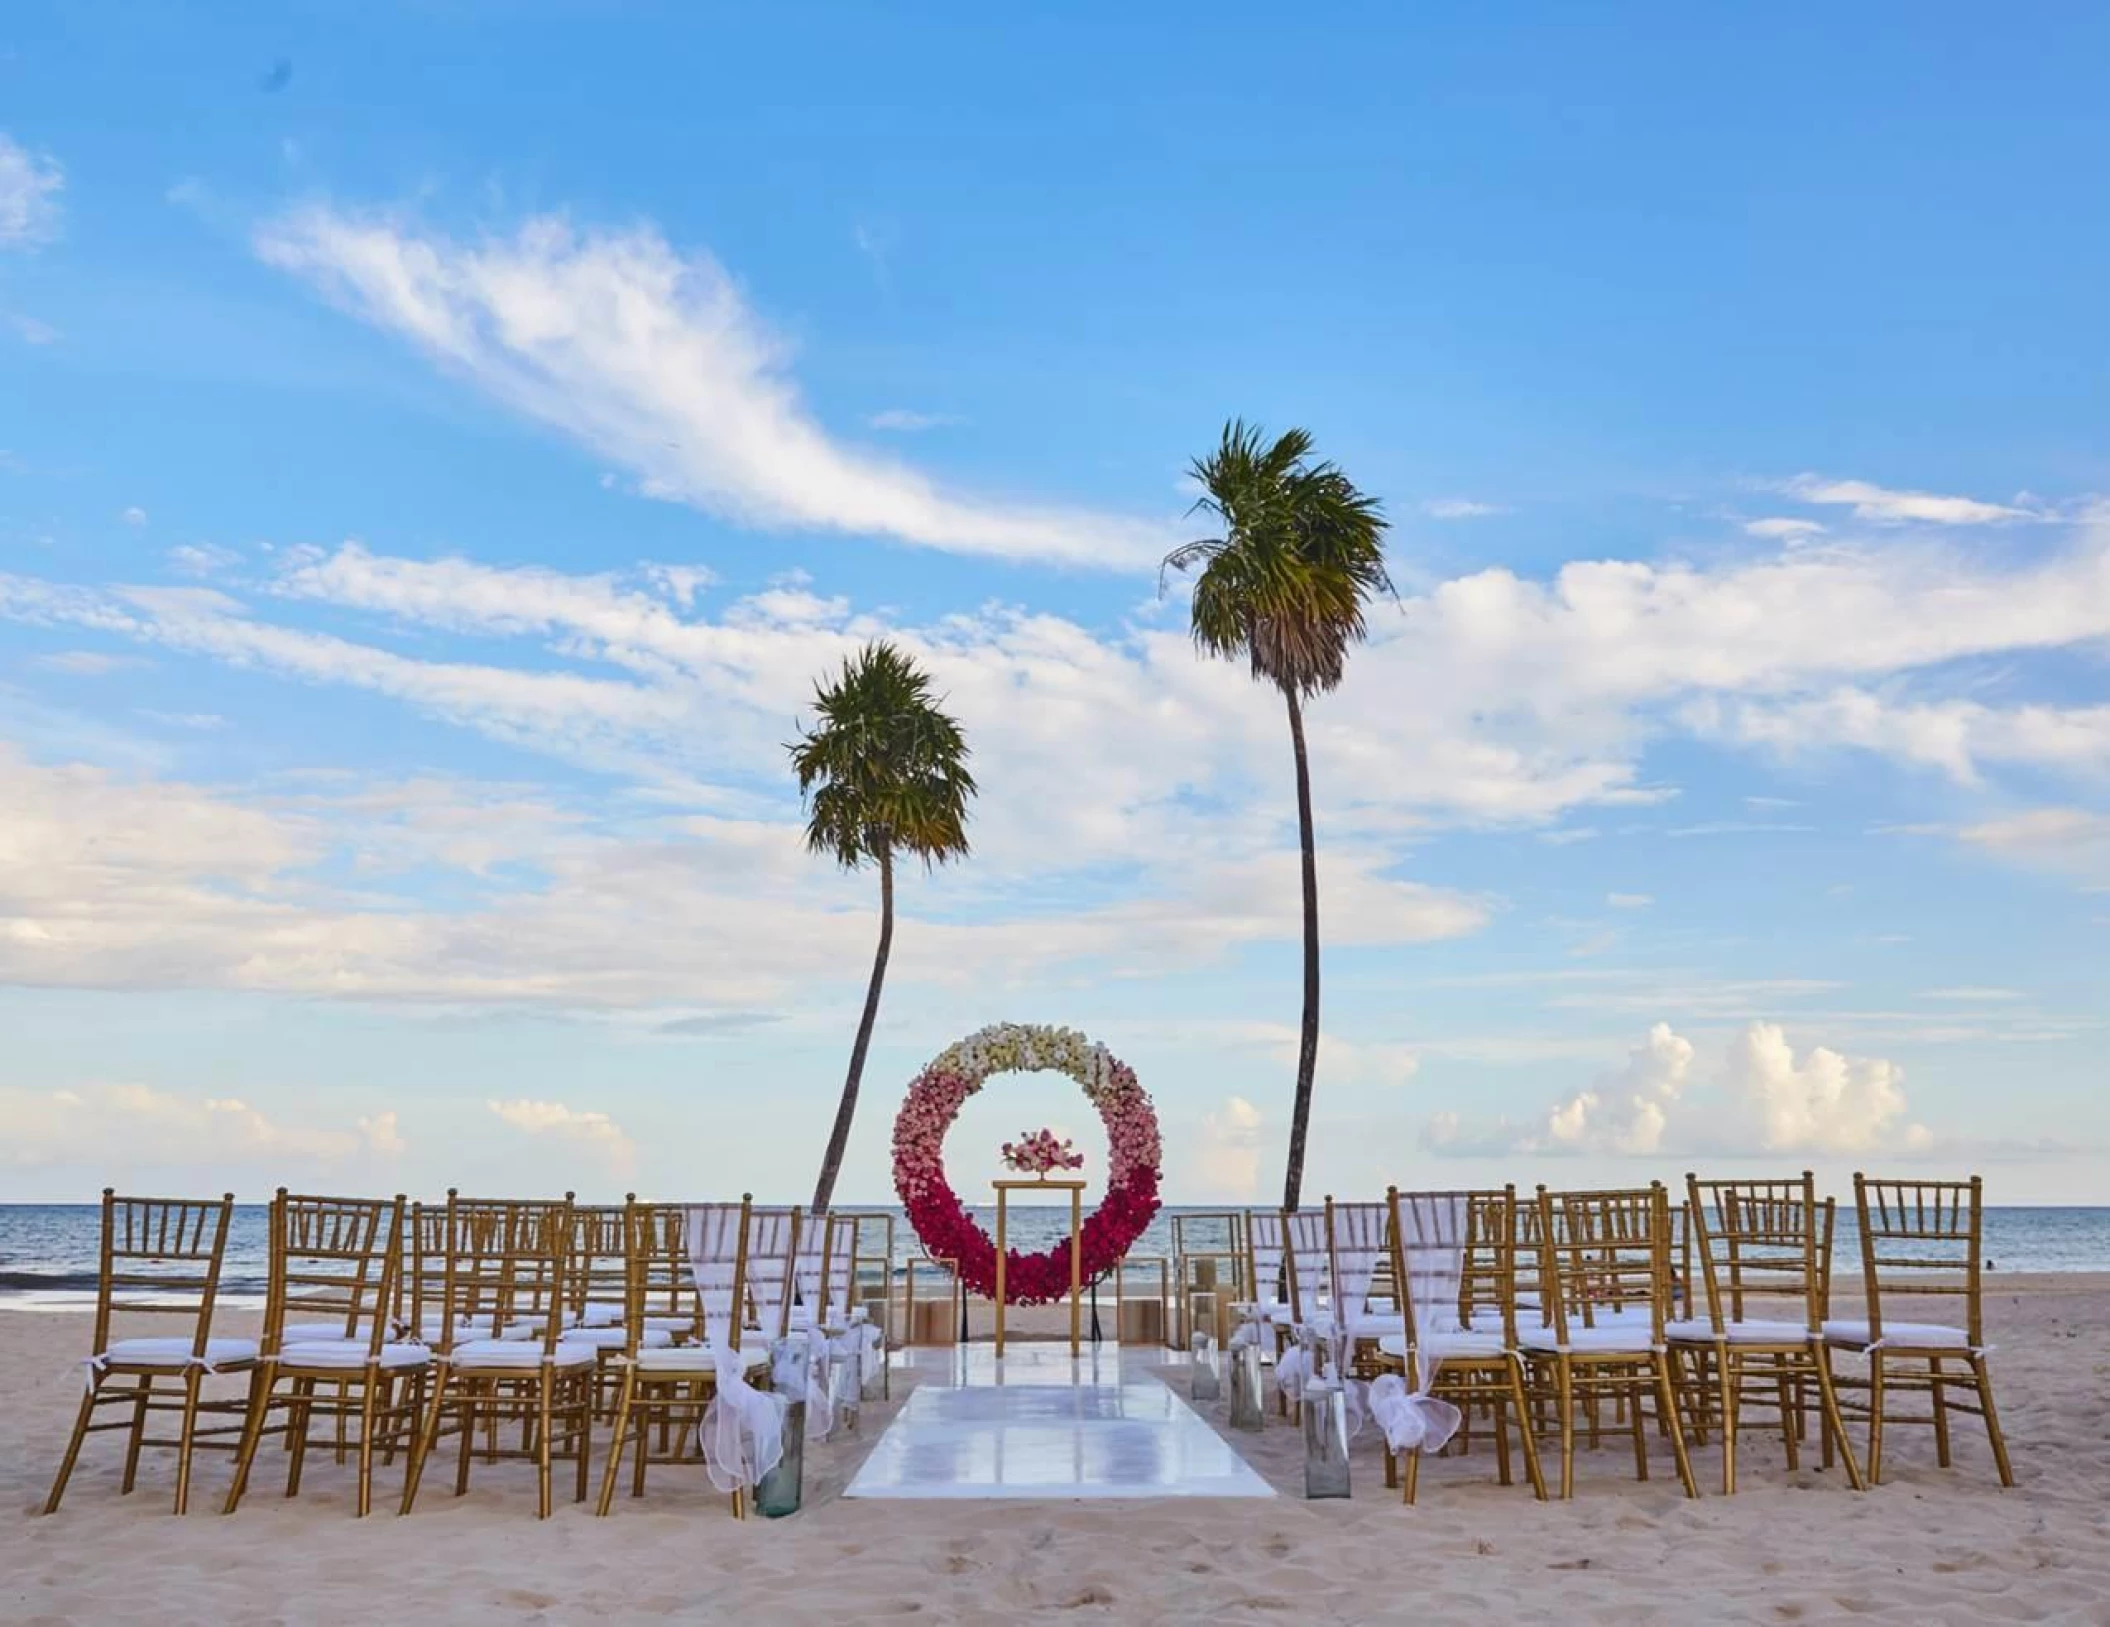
[
  {"x": 826, "y": 1274},
  {"x": 1605, "y": 1276},
  {"x": 334, "y": 1259},
  {"x": 1919, "y": 1239},
  {"x": 1359, "y": 1263},
  {"x": 673, "y": 1385},
  {"x": 506, "y": 1262},
  {"x": 1448, "y": 1307},
  {"x": 1759, "y": 1247},
  {"x": 1304, "y": 1262},
  {"x": 596, "y": 1290},
  {"x": 160, "y": 1257}
]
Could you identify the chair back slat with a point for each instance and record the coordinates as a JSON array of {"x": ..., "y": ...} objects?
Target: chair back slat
[
  {"x": 1605, "y": 1255},
  {"x": 168, "y": 1253},
  {"x": 1760, "y": 1247},
  {"x": 1305, "y": 1262},
  {"x": 333, "y": 1260},
  {"x": 505, "y": 1268},
  {"x": 1922, "y": 1239}
]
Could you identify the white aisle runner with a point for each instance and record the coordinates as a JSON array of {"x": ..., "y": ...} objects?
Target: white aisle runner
[{"x": 1039, "y": 1425}]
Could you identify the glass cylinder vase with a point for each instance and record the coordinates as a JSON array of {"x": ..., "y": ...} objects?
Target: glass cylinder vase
[{"x": 1325, "y": 1410}]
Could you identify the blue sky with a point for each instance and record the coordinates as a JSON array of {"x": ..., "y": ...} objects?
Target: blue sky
[{"x": 441, "y": 445}]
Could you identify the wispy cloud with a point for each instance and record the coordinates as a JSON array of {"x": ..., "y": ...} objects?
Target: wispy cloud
[
  {"x": 30, "y": 184},
  {"x": 1783, "y": 530},
  {"x": 1460, "y": 508},
  {"x": 1629, "y": 901},
  {"x": 1884, "y": 505},
  {"x": 655, "y": 360},
  {"x": 30, "y": 331},
  {"x": 907, "y": 421}
]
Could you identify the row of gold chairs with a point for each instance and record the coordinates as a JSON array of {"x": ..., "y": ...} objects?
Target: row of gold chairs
[
  {"x": 1711, "y": 1316},
  {"x": 392, "y": 1326}
]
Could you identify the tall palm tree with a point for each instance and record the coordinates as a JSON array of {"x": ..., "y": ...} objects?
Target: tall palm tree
[
  {"x": 1284, "y": 586},
  {"x": 883, "y": 772}
]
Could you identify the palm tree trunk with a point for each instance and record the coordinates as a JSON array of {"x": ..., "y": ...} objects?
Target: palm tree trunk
[
  {"x": 846, "y": 1110},
  {"x": 1308, "y": 1040}
]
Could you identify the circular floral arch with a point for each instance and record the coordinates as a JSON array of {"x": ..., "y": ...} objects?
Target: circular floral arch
[{"x": 942, "y": 1223}]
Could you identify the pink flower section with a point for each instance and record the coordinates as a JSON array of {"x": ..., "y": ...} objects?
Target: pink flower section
[{"x": 948, "y": 1232}]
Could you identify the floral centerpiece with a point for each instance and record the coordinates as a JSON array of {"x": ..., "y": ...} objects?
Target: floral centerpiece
[
  {"x": 1040, "y": 1152},
  {"x": 943, "y": 1225}
]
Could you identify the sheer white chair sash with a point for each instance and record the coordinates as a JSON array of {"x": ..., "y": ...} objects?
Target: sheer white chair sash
[
  {"x": 742, "y": 1433},
  {"x": 1432, "y": 1244}
]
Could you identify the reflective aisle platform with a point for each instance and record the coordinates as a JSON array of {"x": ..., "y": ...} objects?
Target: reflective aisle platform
[{"x": 1041, "y": 1425}]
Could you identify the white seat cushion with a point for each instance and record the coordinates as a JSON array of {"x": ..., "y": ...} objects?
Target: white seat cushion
[
  {"x": 1377, "y": 1325},
  {"x": 1699, "y": 1330},
  {"x": 177, "y": 1352},
  {"x": 350, "y": 1353},
  {"x": 1626, "y": 1336},
  {"x": 697, "y": 1358},
  {"x": 515, "y": 1355},
  {"x": 1909, "y": 1335},
  {"x": 1446, "y": 1345},
  {"x": 616, "y": 1338}
]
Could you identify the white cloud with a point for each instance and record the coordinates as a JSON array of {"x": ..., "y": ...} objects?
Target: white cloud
[
  {"x": 119, "y": 1128},
  {"x": 907, "y": 421},
  {"x": 1762, "y": 1098},
  {"x": 195, "y": 558},
  {"x": 1783, "y": 530},
  {"x": 594, "y": 1130},
  {"x": 1957, "y": 737},
  {"x": 201, "y": 721},
  {"x": 135, "y": 515},
  {"x": 30, "y": 184},
  {"x": 1459, "y": 508},
  {"x": 85, "y": 663},
  {"x": 1627, "y": 1112},
  {"x": 32, "y": 332},
  {"x": 1226, "y": 1159},
  {"x": 2072, "y": 840},
  {"x": 1823, "y": 1102},
  {"x": 1885, "y": 506},
  {"x": 656, "y": 362},
  {"x": 1973, "y": 994},
  {"x": 1629, "y": 901}
]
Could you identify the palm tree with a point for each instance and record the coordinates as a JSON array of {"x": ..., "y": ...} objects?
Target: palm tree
[
  {"x": 885, "y": 772},
  {"x": 1284, "y": 587}
]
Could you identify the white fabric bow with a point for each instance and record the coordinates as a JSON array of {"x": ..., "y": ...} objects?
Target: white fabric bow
[
  {"x": 742, "y": 1433},
  {"x": 1432, "y": 1238}
]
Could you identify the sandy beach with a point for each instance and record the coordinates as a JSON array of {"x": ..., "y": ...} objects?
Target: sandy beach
[{"x": 1928, "y": 1546}]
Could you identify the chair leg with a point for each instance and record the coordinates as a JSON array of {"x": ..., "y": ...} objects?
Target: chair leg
[
  {"x": 1637, "y": 1422},
  {"x": 1834, "y": 1423},
  {"x": 1940, "y": 1400},
  {"x": 1677, "y": 1430},
  {"x": 1790, "y": 1436},
  {"x": 1564, "y": 1399},
  {"x": 615, "y": 1443},
  {"x": 73, "y": 1446},
  {"x": 369, "y": 1395},
  {"x": 260, "y": 1386},
  {"x": 1875, "y": 1417},
  {"x": 583, "y": 1444},
  {"x": 1500, "y": 1409},
  {"x": 1522, "y": 1404},
  {"x": 476, "y": 1402},
  {"x": 1729, "y": 1390},
  {"x": 543, "y": 1396},
  {"x": 428, "y": 1429},
  {"x": 193, "y": 1381},
  {"x": 142, "y": 1399},
  {"x": 1993, "y": 1434},
  {"x": 302, "y": 1417}
]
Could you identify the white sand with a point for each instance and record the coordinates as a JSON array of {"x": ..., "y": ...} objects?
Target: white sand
[{"x": 1928, "y": 1546}]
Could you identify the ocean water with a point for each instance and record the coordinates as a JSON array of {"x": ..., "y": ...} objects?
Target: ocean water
[{"x": 48, "y": 1252}]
